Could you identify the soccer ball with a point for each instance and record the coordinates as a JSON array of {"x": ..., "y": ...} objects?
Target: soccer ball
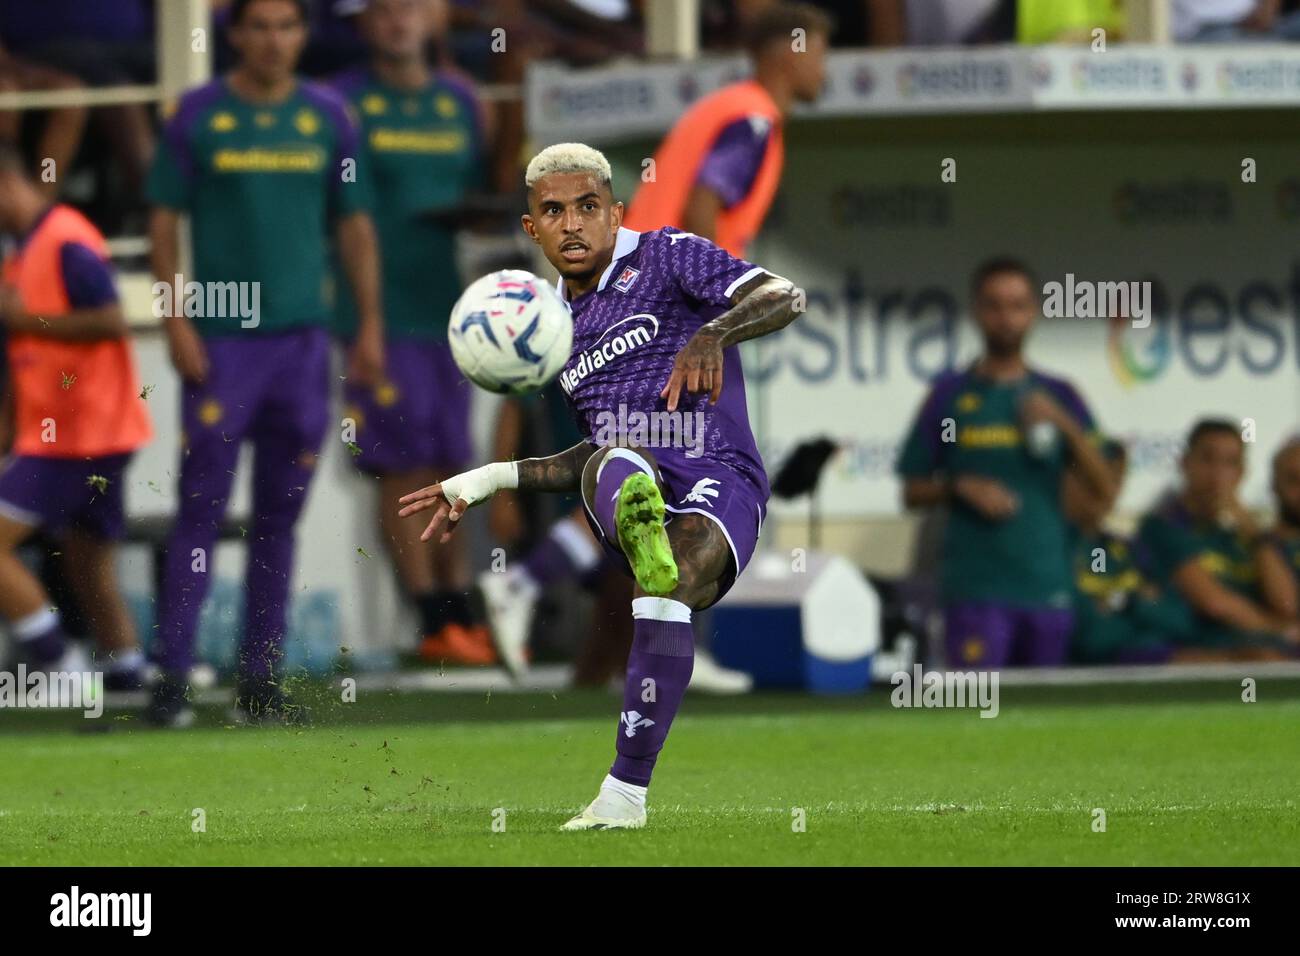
[{"x": 510, "y": 333}]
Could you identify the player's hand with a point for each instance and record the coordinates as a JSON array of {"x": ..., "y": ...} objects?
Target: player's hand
[
  {"x": 988, "y": 496},
  {"x": 189, "y": 356},
  {"x": 1038, "y": 406},
  {"x": 453, "y": 497},
  {"x": 1233, "y": 514},
  {"x": 366, "y": 358},
  {"x": 448, "y": 510},
  {"x": 698, "y": 368}
]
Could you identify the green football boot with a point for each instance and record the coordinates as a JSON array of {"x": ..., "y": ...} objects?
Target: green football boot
[{"x": 639, "y": 517}]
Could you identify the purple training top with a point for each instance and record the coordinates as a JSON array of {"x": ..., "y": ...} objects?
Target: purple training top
[
  {"x": 732, "y": 163},
  {"x": 659, "y": 289}
]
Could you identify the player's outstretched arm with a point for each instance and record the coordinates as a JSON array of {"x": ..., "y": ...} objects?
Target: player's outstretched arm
[
  {"x": 762, "y": 305},
  {"x": 452, "y": 498},
  {"x": 562, "y": 472}
]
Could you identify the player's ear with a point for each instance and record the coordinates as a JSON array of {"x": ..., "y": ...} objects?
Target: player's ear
[
  {"x": 616, "y": 215},
  {"x": 527, "y": 222}
]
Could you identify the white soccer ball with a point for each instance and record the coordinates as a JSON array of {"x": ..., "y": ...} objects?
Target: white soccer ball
[{"x": 510, "y": 332}]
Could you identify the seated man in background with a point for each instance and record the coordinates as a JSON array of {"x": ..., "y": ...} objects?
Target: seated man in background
[
  {"x": 1200, "y": 543},
  {"x": 993, "y": 442},
  {"x": 1120, "y": 616},
  {"x": 1278, "y": 558}
]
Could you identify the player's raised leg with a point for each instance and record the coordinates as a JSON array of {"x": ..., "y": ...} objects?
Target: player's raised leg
[{"x": 621, "y": 488}]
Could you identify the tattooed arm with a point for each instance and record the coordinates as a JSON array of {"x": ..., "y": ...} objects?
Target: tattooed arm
[
  {"x": 766, "y": 303},
  {"x": 562, "y": 472},
  {"x": 457, "y": 494}
]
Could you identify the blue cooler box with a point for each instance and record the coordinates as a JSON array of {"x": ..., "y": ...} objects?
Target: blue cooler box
[{"x": 810, "y": 623}]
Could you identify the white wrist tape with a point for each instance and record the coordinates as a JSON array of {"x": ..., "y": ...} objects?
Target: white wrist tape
[{"x": 482, "y": 483}]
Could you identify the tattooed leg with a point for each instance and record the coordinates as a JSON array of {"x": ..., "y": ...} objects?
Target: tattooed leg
[{"x": 703, "y": 558}]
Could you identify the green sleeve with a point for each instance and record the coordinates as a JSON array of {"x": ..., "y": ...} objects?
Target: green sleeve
[
  {"x": 168, "y": 185},
  {"x": 922, "y": 452},
  {"x": 1167, "y": 547}
]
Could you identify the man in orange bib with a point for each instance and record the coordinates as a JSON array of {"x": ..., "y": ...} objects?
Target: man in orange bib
[
  {"x": 74, "y": 411},
  {"x": 717, "y": 171}
]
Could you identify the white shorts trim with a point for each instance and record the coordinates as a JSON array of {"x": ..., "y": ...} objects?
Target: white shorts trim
[
  {"x": 735, "y": 556},
  {"x": 628, "y": 454}
]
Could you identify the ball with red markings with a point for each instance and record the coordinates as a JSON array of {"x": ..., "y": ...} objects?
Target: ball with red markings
[{"x": 510, "y": 332}]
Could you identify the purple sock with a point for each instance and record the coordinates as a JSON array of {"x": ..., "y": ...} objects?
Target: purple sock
[
  {"x": 567, "y": 551},
  {"x": 548, "y": 562},
  {"x": 658, "y": 669},
  {"x": 616, "y": 466},
  {"x": 280, "y": 488}
]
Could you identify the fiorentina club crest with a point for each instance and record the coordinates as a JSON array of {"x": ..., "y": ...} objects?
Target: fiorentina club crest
[{"x": 626, "y": 278}]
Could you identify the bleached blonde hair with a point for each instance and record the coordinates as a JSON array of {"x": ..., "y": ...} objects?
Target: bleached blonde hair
[{"x": 569, "y": 158}]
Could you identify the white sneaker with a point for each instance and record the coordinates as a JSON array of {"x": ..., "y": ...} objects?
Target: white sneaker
[
  {"x": 509, "y": 599},
  {"x": 617, "y": 807},
  {"x": 67, "y": 691},
  {"x": 710, "y": 677}
]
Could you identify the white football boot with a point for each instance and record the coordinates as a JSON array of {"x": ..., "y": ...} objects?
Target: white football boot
[
  {"x": 618, "y": 806},
  {"x": 710, "y": 677},
  {"x": 509, "y": 599}
]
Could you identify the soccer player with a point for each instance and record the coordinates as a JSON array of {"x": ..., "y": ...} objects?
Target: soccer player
[
  {"x": 715, "y": 175},
  {"x": 992, "y": 442},
  {"x": 423, "y": 153},
  {"x": 717, "y": 171},
  {"x": 1202, "y": 544},
  {"x": 1121, "y": 617},
  {"x": 657, "y": 317},
  {"x": 264, "y": 164},
  {"x": 77, "y": 417}
]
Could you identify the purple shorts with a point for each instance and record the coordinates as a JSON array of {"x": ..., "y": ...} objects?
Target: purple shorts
[
  {"x": 419, "y": 418},
  {"x": 994, "y": 635},
  {"x": 60, "y": 493},
  {"x": 272, "y": 389},
  {"x": 723, "y": 495}
]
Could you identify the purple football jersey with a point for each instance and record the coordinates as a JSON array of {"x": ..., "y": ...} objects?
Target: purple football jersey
[{"x": 659, "y": 289}]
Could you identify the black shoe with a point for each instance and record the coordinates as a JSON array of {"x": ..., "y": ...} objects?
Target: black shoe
[
  {"x": 262, "y": 701},
  {"x": 170, "y": 706}
]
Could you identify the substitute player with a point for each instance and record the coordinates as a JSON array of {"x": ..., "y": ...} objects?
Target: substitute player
[
  {"x": 993, "y": 441},
  {"x": 265, "y": 165},
  {"x": 424, "y": 152},
  {"x": 76, "y": 415},
  {"x": 717, "y": 171},
  {"x": 657, "y": 317},
  {"x": 1204, "y": 546}
]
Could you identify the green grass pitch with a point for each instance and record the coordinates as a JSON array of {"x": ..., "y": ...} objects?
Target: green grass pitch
[{"x": 1186, "y": 775}]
